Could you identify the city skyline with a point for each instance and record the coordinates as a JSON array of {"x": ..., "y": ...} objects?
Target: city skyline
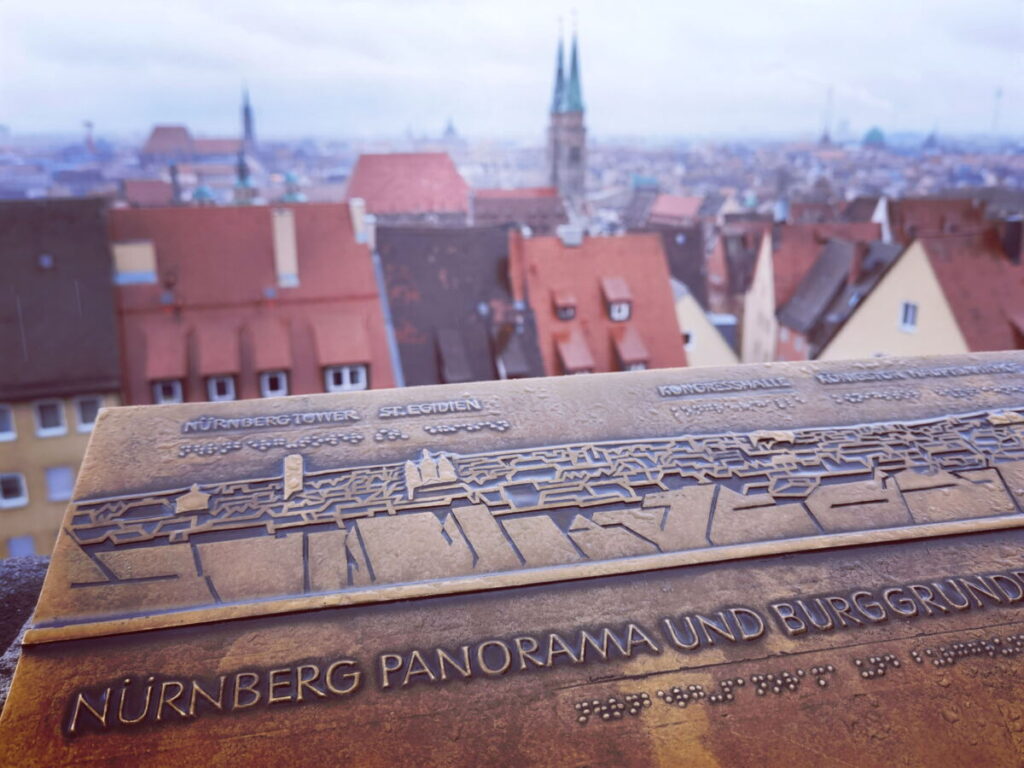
[{"x": 359, "y": 69}]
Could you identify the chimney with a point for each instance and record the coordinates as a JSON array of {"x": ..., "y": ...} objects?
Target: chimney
[
  {"x": 286, "y": 250},
  {"x": 860, "y": 253},
  {"x": 571, "y": 235}
]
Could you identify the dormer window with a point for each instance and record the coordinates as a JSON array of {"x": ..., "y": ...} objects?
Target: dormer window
[
  {"x": 220, "y": 388},
  {"x": 345, "y": 378},
  {"x": 274, "y": 383},
  {"x": 167, "y": 391},
  {"x": 619, "y": 311},
  {"x": 565, "y": 305},
  {"x": 617, "y": 298}
]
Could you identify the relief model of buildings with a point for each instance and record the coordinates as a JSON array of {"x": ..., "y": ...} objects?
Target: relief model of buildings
[{"x": 447, "y": 515}]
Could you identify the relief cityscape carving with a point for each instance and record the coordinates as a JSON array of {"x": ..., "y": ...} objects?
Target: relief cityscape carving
[{"x": 443, "y": 515}]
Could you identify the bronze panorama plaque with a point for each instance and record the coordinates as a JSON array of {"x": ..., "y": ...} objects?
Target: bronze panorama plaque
[{"x": 811, "y": 564}]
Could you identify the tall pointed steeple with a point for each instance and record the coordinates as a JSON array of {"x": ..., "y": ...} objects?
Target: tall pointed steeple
[
  {"x": 559, "y": 97},
  {"x": 573, "y": 90},
  {"x": 248, "y": 126}
]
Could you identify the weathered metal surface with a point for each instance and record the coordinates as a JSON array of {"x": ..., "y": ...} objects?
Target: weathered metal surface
[{"x": 819, "y": 563}]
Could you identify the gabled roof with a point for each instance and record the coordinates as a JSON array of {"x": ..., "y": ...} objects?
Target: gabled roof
[
  {"x": 58, "y": 334},
  {"x": 796, "y": 248},
  {"x": 413, "y": 182},
  {"x": 740, "y": 243},
  {"x": 638, "y": 261},
  {"x": 833, "y": 289},
  {"x": 984, "y": 290},
  {"x": 168, "y": 140},
  {"x": 448, "y": 289}
]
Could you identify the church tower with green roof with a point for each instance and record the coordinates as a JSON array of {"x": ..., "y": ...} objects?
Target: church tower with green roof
[{"x": 567, "y": 135}]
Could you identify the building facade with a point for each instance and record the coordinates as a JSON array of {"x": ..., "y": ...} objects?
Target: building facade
[{"x": 58, "y": 341}]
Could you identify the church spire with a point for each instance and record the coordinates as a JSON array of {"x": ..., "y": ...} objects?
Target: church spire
[
  {"x": 573, "y": 90},
  {"x": 558, "y": 100},
  {"x": 248, "y": 127}
]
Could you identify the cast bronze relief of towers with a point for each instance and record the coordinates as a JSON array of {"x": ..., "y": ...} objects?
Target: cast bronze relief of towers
[{"x": 567, "y": 135}]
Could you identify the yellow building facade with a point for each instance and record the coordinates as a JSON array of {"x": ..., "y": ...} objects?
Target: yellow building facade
[{"x": 42, "y": 443}]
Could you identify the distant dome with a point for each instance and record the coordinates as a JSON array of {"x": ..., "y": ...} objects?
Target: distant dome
[
  {"x": 874, "y": 138},
  {"x": 203, "y": 194}
]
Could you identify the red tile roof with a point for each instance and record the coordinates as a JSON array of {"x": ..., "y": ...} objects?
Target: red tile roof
[
  {"x": 168, "y": 140},
  {"x": 797, "y": 246},
  {"x": 216, "y": 146},
  {"x": 147, "y": 191},
  {"x": 417, "y": 182},
  {"x": 219, "y": 303},
  {"x": 983, "y": 288},
  {"x": 928, "y": 217},
  {"x": 573, "y": 352},
  {"x": 549, "y": 267},
  {"x": 675, "y": 209},
  {"x": 517, "y": 193}
]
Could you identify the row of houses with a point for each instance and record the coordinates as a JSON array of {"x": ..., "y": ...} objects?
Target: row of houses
[{"x": 103, "y": 306}]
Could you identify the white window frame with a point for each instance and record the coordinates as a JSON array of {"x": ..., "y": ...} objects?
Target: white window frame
[
  {"x": 620, "y": 311},
  {"x": 908, "y": 311},
  {"x": 266, "y": 391},
  {"x": 354, "y": 377},
  {"x": 635, "y": 367},
  {"x": 86, "y": 426},
  {"x": 565, "y": 312},
  {"x": 12, "y": 433},
  {"x": 157, "y": 391},
  {"x": 211, "y": 389},
  {"x": 61, "y": 429},
  {"x": 62, "y": 495},
  {"x": 16, "y": 501}
]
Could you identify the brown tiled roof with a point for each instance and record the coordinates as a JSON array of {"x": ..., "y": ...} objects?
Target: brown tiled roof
[
  {"x": 216, "y": 273},
  {"x": 615, "y": 288},
  {"x": 216, "y": 146},
  {"x": 638, "y": 260},
  {"x": 573, "y": 352},
  {"x": 340, "y": 338},
  {"x": 168, "y": 140},
  {"x": 629, "y": 345},
  {"x": 147, "y": 192},
  {"x": 984, "y": 290},
  {"x": 539, "y": 208},
  {"x": 441, "y": 280},
  {"x": 914, "y": 217},
  {"x": 675, "y": 209},
  {"x": 416, "y": 182},
  {"x": 796, "y": 247},
  {"x": 518, "y": 193},
  {"x": 164, "y": 349},
  {"x": 218, "y": 346},
  {"x": 58, "y": 329}
]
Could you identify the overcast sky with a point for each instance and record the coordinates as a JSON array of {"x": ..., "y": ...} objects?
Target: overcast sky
[{"x": 337, "y": 68}]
